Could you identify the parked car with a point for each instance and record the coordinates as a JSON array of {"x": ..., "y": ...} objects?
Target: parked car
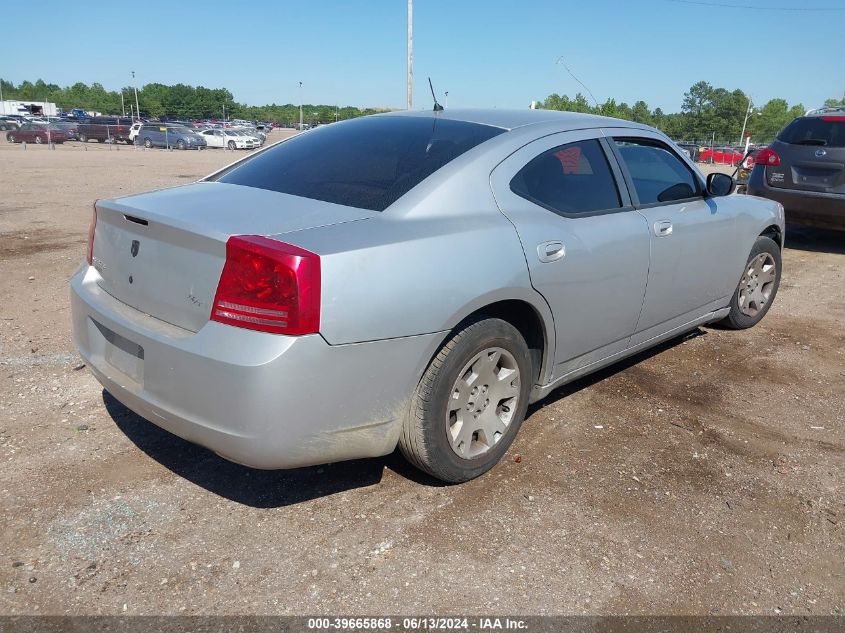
[
  {"x": 70, "y": 128},
  {"x": 8, "y": 123},
  {"x": 692, "y": 150},
  {"x": 133, "y": 131},
  {"x": 720, "y": 155},
  {"x": 227, "y": 138},
  {"x": 36, "y": 133},
  {"x": 167, "y": 135},
  {"x": 411, "y": 278},
  {"x": 804, "y": 169},
  {"x": 105, "y": 130}
]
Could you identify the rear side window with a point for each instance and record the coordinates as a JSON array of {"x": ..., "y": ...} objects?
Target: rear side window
[
  {"x": 571, "y": 180},
  {"x": 824, "y": 131},
  {"x": 659, "y": 175},
  {"x": 367, "y": 163}
]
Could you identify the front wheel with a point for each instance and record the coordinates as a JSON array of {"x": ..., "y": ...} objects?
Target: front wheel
[
  {"x": 39, "y": 140},
  {"x": 83, "y": 138},
  {"x": 180, "y": 145},
  {"x": 757, "y": 287},
  {"x": 148, "y": 143},
  {"x": 11, "y": 138},
  {"x": 231, "y": 144},
  {"x": 470, "y": 402}
]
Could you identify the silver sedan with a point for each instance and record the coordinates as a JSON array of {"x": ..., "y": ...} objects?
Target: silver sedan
[{"x": 411, "y": 279}]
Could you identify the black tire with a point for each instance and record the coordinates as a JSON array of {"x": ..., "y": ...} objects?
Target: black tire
[
  {"x": 3, "y": 127},
  {"x": 101, "y": 140},
  {"x": 129, "y": 141},
  {"x": 739, "y": 320},
  {"x": 39, "y": 140},
  {"x": 11, "y": 138},
  {"x": 424, "y": 441},
  {"x": 148, "y": 143},
  {"x": 83, "y": 138},
  {"x": 232, "y": 145},
  {"x": 180, "y": 144}
]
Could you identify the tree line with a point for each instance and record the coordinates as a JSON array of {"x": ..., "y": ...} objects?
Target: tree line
[
  {"x": 706, "y": 113},
  {"x": 179, "y": 101}
]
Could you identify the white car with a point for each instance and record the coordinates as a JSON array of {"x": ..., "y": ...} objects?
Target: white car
[{"x": 227, "y": 138}]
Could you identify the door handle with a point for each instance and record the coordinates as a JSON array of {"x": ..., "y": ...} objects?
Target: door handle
[
  {"x": 550, "y": 251},
  {"x": 663, "y": 228}
]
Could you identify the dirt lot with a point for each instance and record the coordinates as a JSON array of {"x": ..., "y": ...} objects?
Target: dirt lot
[{"x": 703, "y": 477}]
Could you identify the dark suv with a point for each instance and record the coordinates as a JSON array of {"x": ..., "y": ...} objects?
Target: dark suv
[
  {"x": 105, "y": 129},
  {"x": 804, "y": 169}
]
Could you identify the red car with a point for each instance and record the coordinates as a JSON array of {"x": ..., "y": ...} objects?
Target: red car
[
  {"x": 36, "y": 133},
  {"x": 720, "y": 155}
]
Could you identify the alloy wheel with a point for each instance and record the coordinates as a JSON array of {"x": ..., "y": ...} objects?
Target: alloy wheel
[
  {"x": 757, "y": 284},
  {"x": 483, "y": 401}
]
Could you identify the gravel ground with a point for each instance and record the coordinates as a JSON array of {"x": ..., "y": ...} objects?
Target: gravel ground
[{"x": 703, "y": 477}]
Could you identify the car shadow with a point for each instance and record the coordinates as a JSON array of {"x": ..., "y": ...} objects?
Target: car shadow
[
  {"x": 805, "y": 238},
  {"x": 250, "y": 486},
  {"x": 588, "y": 381}
]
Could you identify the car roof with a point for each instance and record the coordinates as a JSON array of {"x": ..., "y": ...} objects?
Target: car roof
[{"x": 512, "y": 119}]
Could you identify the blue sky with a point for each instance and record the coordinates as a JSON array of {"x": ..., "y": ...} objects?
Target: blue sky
[{"x": 494, "y": 53}]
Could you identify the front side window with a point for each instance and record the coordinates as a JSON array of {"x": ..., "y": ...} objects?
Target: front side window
[
  {"x": 573, "y": 179},
  {"x": 659, "y": 175},
  {"x": 367, "y": 163}
]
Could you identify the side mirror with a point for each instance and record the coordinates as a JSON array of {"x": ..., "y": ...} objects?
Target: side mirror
[{"x": 720, "y": 184}]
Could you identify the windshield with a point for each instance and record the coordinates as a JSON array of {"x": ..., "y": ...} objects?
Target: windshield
[
  {"x": 823, "y": 131},
  {"x": 367, "y": 163},
  {"x": 179, "y": 129}
]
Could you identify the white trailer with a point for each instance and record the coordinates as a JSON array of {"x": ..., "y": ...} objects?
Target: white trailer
[{"x": 28, "y": 108}]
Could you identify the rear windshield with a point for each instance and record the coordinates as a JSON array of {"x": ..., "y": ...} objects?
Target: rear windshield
[
  {"x": 367, "y": 163},
  {"x": 822, "y": 131}
]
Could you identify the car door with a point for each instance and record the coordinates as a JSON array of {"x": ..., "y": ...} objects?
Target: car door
[
  {"x": 688, "y": 231},
  {"x": 587, "y": 249}
]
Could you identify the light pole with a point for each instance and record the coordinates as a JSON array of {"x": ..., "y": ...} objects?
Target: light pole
[
  {"x": 300, "y": 106},
  {"x": 122, "y": 105},
  {"x": 410, "y": 55},
  {"x": 137, "y": 108},
  {"x": 748, "y": 111}
]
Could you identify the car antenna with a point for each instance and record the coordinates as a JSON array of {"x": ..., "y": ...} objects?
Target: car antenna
[{"x": 437, "y": 106}]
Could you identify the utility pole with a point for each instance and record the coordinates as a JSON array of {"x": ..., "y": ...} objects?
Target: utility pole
[
  {"x": 300, "y": 106},
  {"x": 122, "y": 105},
  {"x": 410, "y": 54},
  {"x": 137, "y": 108},
  {"x": 748, "y": 111}
]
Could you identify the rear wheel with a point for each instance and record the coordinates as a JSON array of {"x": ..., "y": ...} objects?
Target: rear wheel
[
  {"x": 11, "y": 138},
  {"x": 470, "y": 403},
  {"x": 148, "y": 143},
  {"x": 757, "y": 287},
  {"x": 180, "y": 144},
  {"x": 83, "y": 138},
  {"x": 39, "y": 140}
]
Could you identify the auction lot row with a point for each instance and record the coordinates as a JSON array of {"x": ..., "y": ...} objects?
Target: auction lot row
[{"x": 702, "y": 477}]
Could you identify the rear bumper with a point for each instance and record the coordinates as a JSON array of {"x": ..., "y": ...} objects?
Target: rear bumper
[
  {"x": 822, "y": 210},
  {"x": 262, "y": 400}
]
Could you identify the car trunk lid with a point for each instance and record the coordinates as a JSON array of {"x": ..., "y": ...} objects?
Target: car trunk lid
[{"x": 162, "y": 252}]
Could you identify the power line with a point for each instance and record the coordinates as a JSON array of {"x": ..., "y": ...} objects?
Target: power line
[{"x": 722, "y": 5}]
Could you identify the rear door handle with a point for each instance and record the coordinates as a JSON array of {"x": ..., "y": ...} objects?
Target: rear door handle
[
  {"x": 663, "y": 228},
  {"x": 550, "y": 251}
]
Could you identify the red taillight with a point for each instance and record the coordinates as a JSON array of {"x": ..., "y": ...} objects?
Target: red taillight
[
  {"x": 91, "y": 228},
  {"x": 767, "y": 156},
  {"x": 268, "y": 286},
  {"x": 833, "y": 118}
]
